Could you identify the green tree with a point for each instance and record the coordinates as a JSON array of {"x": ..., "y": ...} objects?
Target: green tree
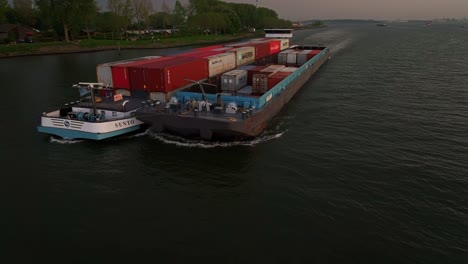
[
  {"x": 67, "y": 13},
  {"x": 24, "y": 12},
  {"x": 141, "y": 11},
  {"x": 166, "y": 13},
  {"x": 88, "y": 18},
  {"x": 121, "y": 15},
  {"x": 3, "y": 10},
  {"x": 179, "y": 14},
  {"x": 247, "y": 14}
]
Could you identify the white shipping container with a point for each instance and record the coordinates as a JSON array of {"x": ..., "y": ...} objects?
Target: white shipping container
[
  {"x": 104, "y": 71},
  {"x": 292, "y": 57},
  {"x": 244, "y": 55},
  {"x": 284, "y": 44},
  {"x": 220, "y": 63},
  {"x": 233, "y": 80}
]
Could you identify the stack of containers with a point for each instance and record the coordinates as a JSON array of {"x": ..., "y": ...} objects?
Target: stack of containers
[
  {"x": 121, "y": 74},
  {"x": 167, "y": 75},
  {"x": 288, "y": 57},
  {"x": 234, "y": 80},
  {"x": 262, "y": 49},
  {"x": 217, "y": 61},
  {"x": 104, "y": 73},
  {"x": 220, "y": 63},
  {"x": 274, "y": 45},
  {"x": 249, "y": 68},
  {"x": 284, "y": 43},
  {"x": 304, "y": 56},
  {"x": 260, "y": 79},
  {"x": 251, "y": 71},
  {"x": 244, "y": 55},
  {"x": 277, "y": 77}
]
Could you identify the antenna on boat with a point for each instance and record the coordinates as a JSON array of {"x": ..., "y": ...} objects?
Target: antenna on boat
[{"x": 201, "y": 86}]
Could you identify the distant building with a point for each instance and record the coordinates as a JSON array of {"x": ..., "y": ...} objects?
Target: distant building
[
  {"x": 297, "y": 24},
  {"x": 15, "y": 32}
]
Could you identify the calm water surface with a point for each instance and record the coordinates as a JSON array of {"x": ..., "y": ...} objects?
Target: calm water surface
[{"x": 367, "y": 164}]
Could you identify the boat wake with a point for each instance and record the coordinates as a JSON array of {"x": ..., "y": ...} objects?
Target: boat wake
[
  {"x": 336, "y": 40},
  {"x": 65, "y": 141},
  {"x": 197, "y": 143}
]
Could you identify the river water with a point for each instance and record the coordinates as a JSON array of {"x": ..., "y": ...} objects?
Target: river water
[{"x": 367, "y": 164}]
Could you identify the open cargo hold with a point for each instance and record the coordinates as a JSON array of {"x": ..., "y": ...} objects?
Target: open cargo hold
[
  {"x": 288, "y": 57},
  {"x": 251, "y": 71},
  {"x": 260, "y": 101},
  {"x": 277, "y": 77},
  {"x": 168, "y": 75},
  {"x": 260, "y": 78},
  {"x": 304, "y": 56}
]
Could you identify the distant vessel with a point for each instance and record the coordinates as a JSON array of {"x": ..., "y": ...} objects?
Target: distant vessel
[
  {"x": 93, "y": 117},
  {"x": 238, "y": 104},
  {"x": 381, "y": 25}
]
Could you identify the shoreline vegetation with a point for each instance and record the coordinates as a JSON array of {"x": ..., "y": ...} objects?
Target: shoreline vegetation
[{"x": 94, "y": 45}]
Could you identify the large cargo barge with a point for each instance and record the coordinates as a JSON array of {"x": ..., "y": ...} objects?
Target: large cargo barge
[{"x": 238, "y": 104}]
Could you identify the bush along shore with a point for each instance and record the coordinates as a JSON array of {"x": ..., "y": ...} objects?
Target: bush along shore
[{"x": 90, "y": 45}]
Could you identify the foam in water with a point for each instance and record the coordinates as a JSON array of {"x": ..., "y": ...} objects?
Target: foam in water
[{"x": 192, "y": 143}]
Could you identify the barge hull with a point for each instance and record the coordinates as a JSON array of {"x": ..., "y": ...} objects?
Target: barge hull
[{"x": 208, "y": 128}]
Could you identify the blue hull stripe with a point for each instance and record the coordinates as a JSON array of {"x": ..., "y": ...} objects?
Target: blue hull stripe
[{"x": 74, "y": 134}]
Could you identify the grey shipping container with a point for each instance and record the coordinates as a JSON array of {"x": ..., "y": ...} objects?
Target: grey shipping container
[{"x": 233, "y": 80}]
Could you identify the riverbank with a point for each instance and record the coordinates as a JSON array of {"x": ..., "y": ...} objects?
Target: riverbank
[{"x": 30, "y": 49}]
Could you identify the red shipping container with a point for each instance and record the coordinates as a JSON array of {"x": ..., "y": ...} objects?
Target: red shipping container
[
  {"x": 262, "y": 49},
  {"x": 168, "y": 75},
  {"x": 251, "y": 72},
  {"x": 312, "y": 53},
  {"x": 121, "y": 76},
  {"x": 275, "y": 46},
  {"x": 277, "y": 77}
]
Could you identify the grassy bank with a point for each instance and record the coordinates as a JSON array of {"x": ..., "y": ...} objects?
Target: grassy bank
[{"x": 24, "y": 49}]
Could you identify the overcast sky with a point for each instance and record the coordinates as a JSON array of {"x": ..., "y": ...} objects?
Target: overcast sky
[{"x": 356, "y": 9}]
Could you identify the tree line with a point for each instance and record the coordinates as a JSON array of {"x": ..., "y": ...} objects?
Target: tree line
[{"x": 67, "y": 18}]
